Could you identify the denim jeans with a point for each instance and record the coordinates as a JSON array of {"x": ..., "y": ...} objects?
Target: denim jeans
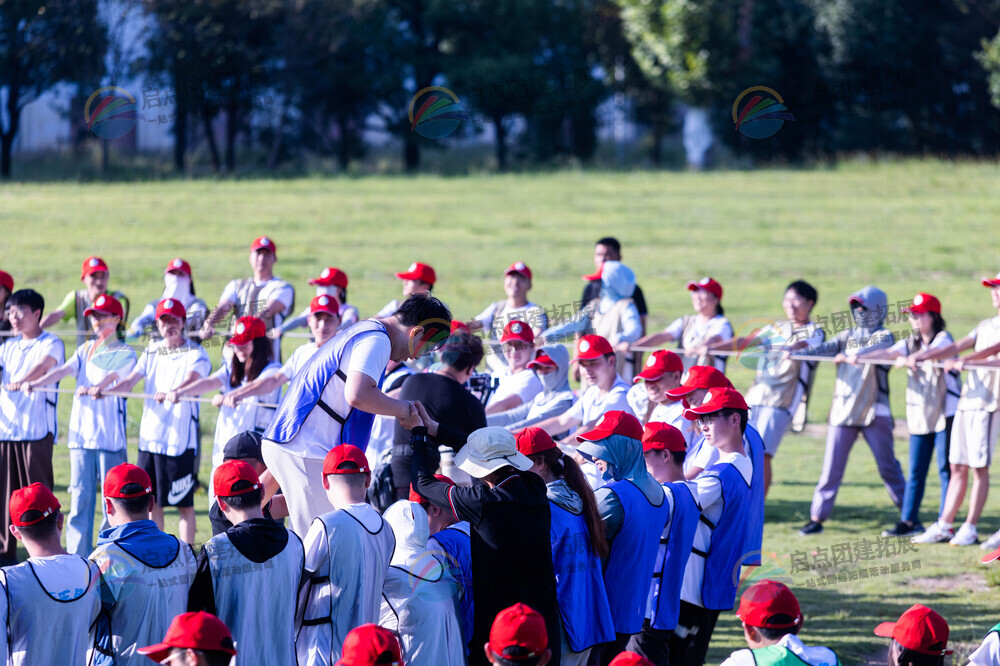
[
  {"x": 921, "y": 449},
  {"x": 88, "y": 467}
]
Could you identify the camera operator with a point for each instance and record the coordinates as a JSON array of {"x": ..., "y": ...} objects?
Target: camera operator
[{"x": 445, "y": 397}]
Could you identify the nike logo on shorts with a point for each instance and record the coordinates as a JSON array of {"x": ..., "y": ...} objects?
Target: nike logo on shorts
[{"x": 180, "y": 488}]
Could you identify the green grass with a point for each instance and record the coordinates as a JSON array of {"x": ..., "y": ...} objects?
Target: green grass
[{"x": 907, "y": 227}]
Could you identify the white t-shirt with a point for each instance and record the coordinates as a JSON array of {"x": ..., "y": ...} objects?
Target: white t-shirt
[
  {"x": 240, "y": 295},
  {"x": 592, "y": 405},
  {"x": 531, "y": 313},
  {"x": 170, "y": 428},
  {"x": 810, "y": 655},
  {"x": 707, "y": 490},
  {"x": 246, "y": 415},
  {"x": 99, "y": 424},
  {"x": 298, "y": 360},
  {"x": 26, "y": 417},
  {"x": 524, "y": 384},
  {"x": 988, "y": 652},
  {"x": 368, "y": 354},
  {"x": 671, "y": 413}
]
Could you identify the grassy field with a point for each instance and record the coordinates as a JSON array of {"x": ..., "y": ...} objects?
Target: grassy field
[{"x": 906, "y": 227}]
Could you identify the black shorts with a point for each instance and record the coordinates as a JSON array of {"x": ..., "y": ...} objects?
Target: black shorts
[{"x": 174, "y": 479}]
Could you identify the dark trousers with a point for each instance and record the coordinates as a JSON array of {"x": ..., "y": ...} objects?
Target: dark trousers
[
  {"x": 653, "y": 644},
  {"x": 689, "y": 643},
  {"x": 21, "y": 464},
  {"x": 611, "y": 650}
]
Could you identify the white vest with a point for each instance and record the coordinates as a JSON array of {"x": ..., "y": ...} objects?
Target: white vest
[
  {"x": 257, "y": 600},
  {"x": 421, "y": 604},
  {"x": 146, "y": 598},
  {"x": 44, "y": 630}
]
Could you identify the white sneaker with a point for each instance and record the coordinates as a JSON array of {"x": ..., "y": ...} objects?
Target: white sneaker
[
  {"x": 967, "y": 535},
  {"x": 935, "y": 534},
  {"x": 992, "y": 543}
]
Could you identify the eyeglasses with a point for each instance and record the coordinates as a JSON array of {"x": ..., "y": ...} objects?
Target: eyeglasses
[{"x": 706, "y": 420}]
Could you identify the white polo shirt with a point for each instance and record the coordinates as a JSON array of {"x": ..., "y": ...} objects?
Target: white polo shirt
[
  {"x": 26, "y": 417},
  {"x": 170, "y": 428},
  {"x": 99, "y": 423}
]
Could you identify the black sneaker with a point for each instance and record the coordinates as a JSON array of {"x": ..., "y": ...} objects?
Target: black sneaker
[
  {"x": 904, "y": 529},
  {"x": 812, "y": 527}
]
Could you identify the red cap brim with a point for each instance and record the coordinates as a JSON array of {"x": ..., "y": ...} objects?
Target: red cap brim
[
  {"x": 648, "y": 376},
  {"x": 157, "y": 652},
  {"x": 991, "y": 283},
  {"x": 990, "y": 557},
  {"x": 885, "y": 629},
  {"x": 680, "y": 392},
  {"x": 594, "y": 435},
  {"x": 593, "y": 277}
]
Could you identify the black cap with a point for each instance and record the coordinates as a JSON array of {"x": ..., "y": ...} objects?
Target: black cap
[{"x": 244, "y": 445}]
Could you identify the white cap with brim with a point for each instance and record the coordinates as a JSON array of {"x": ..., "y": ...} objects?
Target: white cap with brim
[{"x": 487, "y": 450}]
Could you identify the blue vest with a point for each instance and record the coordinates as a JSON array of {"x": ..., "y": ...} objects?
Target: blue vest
[
  {"x": 456, "y": 543},
  {"x": 675, "y": 548},
  {"x": 633, "y": 556},
  {"x": 755, "y": 517},
  {"x": 729, "y": 537},
  {"x": 583, "y": 602},
  {"x": 306, "y": 390}
]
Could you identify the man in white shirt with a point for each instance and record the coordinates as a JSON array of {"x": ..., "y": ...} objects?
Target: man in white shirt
[
  {"x": 27, "y": 420},
  {"x": 518, "y": 383},
  {"x": 264, "y": 295}
]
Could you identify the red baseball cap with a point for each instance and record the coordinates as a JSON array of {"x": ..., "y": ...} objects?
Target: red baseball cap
[
  {"x": 518, "y": 330},
  {"x": 324, "y": 303},
  {"x": 629, "y": 659},
  {"x": 658, "y": 364},
  {"x": 700, "y": 377},
  {"x": 995, "y": 282},
  {"x": 344, "y": 453},
  {"x": 35, "y": 497},
  {"x": 457, "y": 326},
  {"x": 92, "y": 265},
  {"x": 595, "y": 276},
  {"x": 542, "y": 359},
  {"x": 518, "y": 626},
  {"x": 615, "y": 422},
  {"x": 924, "y": 303},
  {"x": 6, "y": 281},
  {"x": 659, "y": 436},
  {"x": 420, "y": 499},
  {"x": 418, "y": 271},
  {"x": 247, "y": 330},
  {"x": 196, "y": 631},
  {"x": 715, "y": 400},
  {"x": 592, "y": 346},
  {"x": 105, "y": 304},
  {"x": 229, "y": 473},
  {"x": 264, "y": 243},
  {"x": 120, "y": 476},
  {"x": 919, "y": 629},
  {"x": 765, "y": 599},
  {"x": 708, "y": 284},
  {"x": 533, "y": 440},
  {"x": 178, "y": 265},
  {"x": 368, "y": 644},
  {"x": 520, "y": 268},
  {"x": 331, "y": 277},
  {"x": 172, "y": 307}
]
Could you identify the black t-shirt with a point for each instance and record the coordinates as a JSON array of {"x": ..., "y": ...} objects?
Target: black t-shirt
[
  {"x": 446, "y": 401},
  {"x": 592, "y": 290}
]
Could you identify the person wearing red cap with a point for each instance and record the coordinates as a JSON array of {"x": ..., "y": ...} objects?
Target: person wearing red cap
[
  {"x": 96, "y": 428},
  {"x": 6, "y": 289},
  {"x": 630, "y": 659},
  {"x": 771, "y": 621},
  {"x": 332, "y": 283},
  {"x": 256, "y": 559},
  {"x": 94, "y": 276},
  {"x": 695, "y": 333},
  {"x": 263, "y": 295},
  {"x": 551, "y": 366},
  {"x": 780, "y": 386},
  {"x": 516, "y": 307},
  {"x": 649, "y": 401},
  {"x": 420, "y": 597},
  {"x": 518, "y": 384},
  {"x": 860, "y": 405},
  {"x": 635, "y": 510},
  {"x": 919, "y": 638},
  {"x": 729, "y": 512},
  {"x": 578, "y": 544},
  {"x": 27, "y": 421},
  {"x": 698, "y": 381},
  {"x": 138, "y": 608},
  {"x": 371, "y": 645},
  {"x": 168, "y": 432},
  {"x": 975, "y": 430},
  {"x": 178, "y": 283},
  {"x": 609, "y": 249},
  {"x": 417, "y": 279},
  {"x": 51, "y": 589},
  {"x": 197, "y": 639},
  {"x": 518, "y": 638}
]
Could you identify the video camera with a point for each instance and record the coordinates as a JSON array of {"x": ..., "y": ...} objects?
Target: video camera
[{"x": 482, "y": 385}]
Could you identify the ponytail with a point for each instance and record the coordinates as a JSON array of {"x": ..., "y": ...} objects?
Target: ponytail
[{"x": 564, "y": 467}]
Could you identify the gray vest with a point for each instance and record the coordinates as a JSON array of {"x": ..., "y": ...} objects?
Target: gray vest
[
  {"x": 777, "y": 378},
  {"x": 690, "y": 339},
  {"x": 257, "y": 600},
  {"x": 926, "y": 392},
  {"x": 982, "y": 387}
]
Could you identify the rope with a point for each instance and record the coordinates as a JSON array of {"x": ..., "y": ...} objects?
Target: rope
[{"x": 144, "y": 396}]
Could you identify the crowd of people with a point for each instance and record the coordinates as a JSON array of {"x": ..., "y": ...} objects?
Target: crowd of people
[{"x": 439, "y": 514}]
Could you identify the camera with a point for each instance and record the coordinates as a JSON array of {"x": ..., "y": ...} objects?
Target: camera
[{"x": 482, "y": 385}]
